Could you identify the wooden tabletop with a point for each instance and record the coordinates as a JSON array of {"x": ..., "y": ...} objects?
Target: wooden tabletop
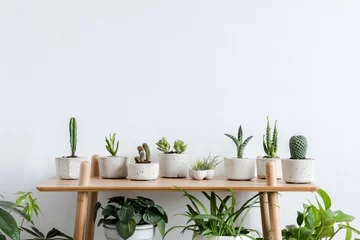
[{"x": 168, "y": 184}]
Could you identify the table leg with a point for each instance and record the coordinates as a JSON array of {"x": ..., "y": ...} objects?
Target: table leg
[{"x": 265, "y": 217}]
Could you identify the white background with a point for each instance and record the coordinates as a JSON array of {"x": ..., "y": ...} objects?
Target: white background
[{"x": 188, "y": 70}]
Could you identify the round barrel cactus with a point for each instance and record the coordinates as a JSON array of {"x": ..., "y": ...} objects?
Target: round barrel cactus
[{"x": 298, "y": 147}]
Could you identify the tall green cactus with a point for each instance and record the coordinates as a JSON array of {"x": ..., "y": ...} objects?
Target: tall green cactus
[
  {"x": 270, "y": 144},
  {"x": 240, "y": 145},
  {"x": 110, "y": 144},
  {"x": 73, "y": 136},
  {"x": 144, "y": 154},
  {"x": 298, "y": 147}
]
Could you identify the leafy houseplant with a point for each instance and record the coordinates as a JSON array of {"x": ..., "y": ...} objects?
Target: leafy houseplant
[
  {"x": 173, "y": 163},
  {"x": 203, "y": 168},
  {"x": 318, "y": 221},
  {"x": 69, "y": 167},
  {"x": 218, "y": 221},
  {"x": 123, "y": 218},
  {"x": 298, "y": 169},
  {"x": 239, "y": 168},
  {"x": 270, "y": 145},
  {"x": 143, "y": 169},
  {"x": 113, "y": 166},
  {"x": 52, "y": 234}
]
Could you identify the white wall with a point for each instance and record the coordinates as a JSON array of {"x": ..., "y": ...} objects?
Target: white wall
[{"x": 182, "y": 69}]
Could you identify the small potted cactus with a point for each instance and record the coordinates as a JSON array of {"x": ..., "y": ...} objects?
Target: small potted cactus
[
  {"x": 143, "y": 169},
  {"x": 270, "y": 145},
  {"x": 298, "y": 169},
  {"x": 112, "y": 166},
  {"x": 69, "y": 167},
  {"x": 173, "y": 163},
  {"x": 239, "y": 168}
]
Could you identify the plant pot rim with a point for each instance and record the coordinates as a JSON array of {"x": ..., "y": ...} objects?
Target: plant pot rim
[
  {"x": 235, "y": 158},
  {"x": 143, "y": 164},
  {"x": 198, "y": 170},
  {"x": 72, "y": 158},
  {"x": 265, "y": 158},
  {"x": 296, "y": 160},
  {"x": 140, "y": 227},
  {"x": 112, "y": 156},
  {"x": 161, "y": 153}
]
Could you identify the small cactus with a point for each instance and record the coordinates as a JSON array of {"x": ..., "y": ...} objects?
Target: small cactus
[
  {"x": 110, "y": 144},
  {"x": 73, "y": 136},
  {"x": 240, "y": 145},
  {"x": 180, "y": 146},
  {"x": 144, "y": 154},
  {"x": 298, "y": 147},
  {"x": 270, "y": 144},
  {"x": 164, "y": 146}
]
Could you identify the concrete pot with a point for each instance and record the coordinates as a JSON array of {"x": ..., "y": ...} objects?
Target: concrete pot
[
  {"x": 68, "y": 168},
  {"x": 142, "y": 232},
  {"x": 197, "y": 174},
  {"x": 113, "y": 167},
  {"x": 298, "y": 170},
  {"x": 261, "y": 167},
  {"x": 243, "y": 237},
  {"x": 173, "y": 165},
  {"x": 210, "y": 174},
  {"x": 239, "y": 168},
  {"x": 143, "y": 171}
]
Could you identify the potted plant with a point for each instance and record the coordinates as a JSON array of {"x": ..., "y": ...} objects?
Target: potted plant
[
  {"x": 131, "y": 218},
  {"x": 54, "y": 234},
  {"x": 143, "y": 169},
  {"x": 173, "y": 163},
  {"x": 317, "y": 221},
  {"x": 270, "y": 145},
  {"x": 203, "y": 168},
  {"x": 112, "y": 166},
  {"x": 69, "y": 167},
  {"x": 223, "y": 221},
  {"x": 298, "y": 169},
  {"x": 239, "y": 168}
]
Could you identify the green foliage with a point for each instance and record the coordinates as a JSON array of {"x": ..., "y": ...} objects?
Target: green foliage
[
  {"x": 52, "y": 234},
  {"x": 164, "y": 146},
  {"x": 144, "y": 154},
  {"x": 220, "y": 220},
  {"x": 30, "y": 207},
  {"x": 298, "y": 147},
  {"x": 126, "y": 213},
  {"x": 318, "y": 221},
  {"x": 270, "y": 144},
  {"x": 206, "y": 163},
  {"x": 199, "y": 165},
  {"x": 240, "y": 145},
  {"x": 73, "y": 136},
  {"x": 110, "y": 144}
]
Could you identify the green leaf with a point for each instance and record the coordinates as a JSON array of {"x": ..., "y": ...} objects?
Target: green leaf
[
  {"x": 348, "y": 235},
  {"x": 138, "y": 217},
  {"x": 161, "y": 226},
  {"x": 10, "y": 207},
  {"x": 300, "y": 218},
  {"x": 119, "y": 200},
  {"x": 126, "y": 230},
  {"x": 237, "y": 143},
  {"x": 96, "y": 209},
  {"x": 108, "y": 211},
  {"x": 240, "y": 134},
  {"x": 126, "y": 214},
  {"x": 2, "y": 237},
  {"x": 342, "y": 217},
  {"x": 152, "y": 215},
  {"x": 325, "y": 197},
  {"x": 8, "y": 225},
  {"x": 342, "y": 226}
]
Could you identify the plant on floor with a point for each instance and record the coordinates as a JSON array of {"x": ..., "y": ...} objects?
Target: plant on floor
[
  {"x": 298, "y": 147},
  {"x": 126, "y": 213},
  {"x": 270, "y": 144},
  {"x": 220, "y": 219},
  {"x": 318, "y": 221},
  {"x": 110, "y": 144},
  {"x": 52, "y": 234},
  {"x": 240, "y": 145},
  {"x": 164, "y": 146},
  {"x": 144, "y": 154},
  {"x": 73, "y": 136}
]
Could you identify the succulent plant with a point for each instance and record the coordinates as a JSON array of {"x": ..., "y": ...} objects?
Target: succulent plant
[
  {"x": 144, "y": 154},
  {"x": 240, "y": 145},
  {"x": 270, "y": 144},
  {"x": 298, "y": 147},
  {"x": 110, "y": 144},
  {"x": 180, "y": 146},
  {"x": 164, "y": 146},
  {"x": 73, "y": 136}
]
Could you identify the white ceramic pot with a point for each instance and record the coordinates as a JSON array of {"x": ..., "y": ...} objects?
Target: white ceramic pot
[
  {"x": 243, "y": 237},
  {"x": 298, "y": 170},
  {"x": 69, "y": 168},
  {"x": 173, "y": 165},
  {"x": 113, "y": 167},
  {"x": 197, "y": 174},
  {"x": 239, "y": 168},
  {"x": 210, "y": 174},
  {"x": 143, "y": 171},
  {"x": 142, "y": 232},
  {"x": 261, "y": 167}
]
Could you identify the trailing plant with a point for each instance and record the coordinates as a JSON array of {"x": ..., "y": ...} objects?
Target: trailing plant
[
  {"x": 144, "y": 154},
  {"x": 110, "y": 144},
  {"x": 220, "y": 219},
  {"x": 52, "y": 234},
  {"x": 318, "y": 221},
  {"x": 240, "y": 145},
  {"x": 270, "y": 144},
  {"x": 126, "y": 213},
  {"x": 164, "y": 146},
  {"x": 298, "y": 147},
  {"x": 73, "y": 136}
]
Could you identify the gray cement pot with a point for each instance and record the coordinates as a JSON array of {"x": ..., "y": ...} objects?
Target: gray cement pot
[{"x": 113, "y": 167}]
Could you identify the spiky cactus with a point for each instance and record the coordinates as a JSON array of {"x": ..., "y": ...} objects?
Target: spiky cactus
[
  {"x": 73, "y": 136},
  {"x": 180, "y": 146},
  {"x": 144, "y": 154},
  {"x": 110, "y": 144},
  {"x": 270, "y": 144},
  {"x": 240, "y": 145},
  {"x": 164, "y": 146},
  {"x": 298, "y": 147}
]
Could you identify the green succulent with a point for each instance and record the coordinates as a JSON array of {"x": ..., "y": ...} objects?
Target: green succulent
[
  {"x": 144, "y": 154},
  {"x": 110, "y": 144},
  {"x": 298, "y": 147},
  {"x": 240, "y": 145},
  {"x": 180, "y": 146},
  {"x": 270, "y": 144},
  {"x": 164, "y": 146},
  {"x": 73, "y": 136}
]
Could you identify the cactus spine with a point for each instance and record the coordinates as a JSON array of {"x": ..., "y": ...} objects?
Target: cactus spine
[
  {"x": 298, "y": 147},
  {"x": 240, "y": 145},
  {"x": 270, "y": 144},
  {"x": 144, "y": 154},
  {"x": 73, "y": 136}
]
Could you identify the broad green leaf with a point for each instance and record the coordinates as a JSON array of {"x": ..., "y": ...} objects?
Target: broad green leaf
[
  {"x": 126, "y": 214},
  {"x": 119, "y": 200},
  {"x": 348, "y": 235},
  {"x": 126, "y": 230},
  {"x": 8, "y": 225},
  {"x": 342, "y": 217},
  {"x": 300, "y": 218},
  {"x": 161, "y": 226},
  {"x": 310, "y": 219},
  {"x": 10, "y": 206},
  {"x": 108, "y": 211},
  {"x": 152, "y": 215},
  {"x": 342, "y": 226},
  {"x": 96, "y": 209},
  {"x": 138, "y": 217},
  {"x": 325, "y": 197}
]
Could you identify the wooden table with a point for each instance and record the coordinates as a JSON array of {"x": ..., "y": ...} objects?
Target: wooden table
[{"x": 89, "y": 184}]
